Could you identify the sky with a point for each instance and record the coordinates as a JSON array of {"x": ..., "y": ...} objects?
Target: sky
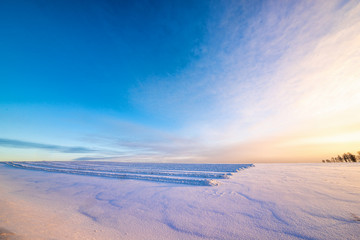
[{"x": 179, "y": 81}]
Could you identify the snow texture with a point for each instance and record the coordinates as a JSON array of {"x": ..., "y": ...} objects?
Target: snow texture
[
  {"x": 268, "y": 201},
  {"x": 192, "y": 174}
]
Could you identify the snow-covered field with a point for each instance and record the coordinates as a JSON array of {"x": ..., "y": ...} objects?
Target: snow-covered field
[
  {"x": 191, "y": 174},
  {"x": 268, "y": 201}
]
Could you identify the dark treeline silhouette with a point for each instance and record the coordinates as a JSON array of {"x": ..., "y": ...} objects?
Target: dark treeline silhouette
[{"x": 346, "y": 157}]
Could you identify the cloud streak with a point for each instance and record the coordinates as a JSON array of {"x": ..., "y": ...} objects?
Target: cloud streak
[
  {"x": 271, "y": 80},
  {"x": 291, "y": 68},
  {"x": 10, "y": 143},
  {"x": 94, "y": 158}
]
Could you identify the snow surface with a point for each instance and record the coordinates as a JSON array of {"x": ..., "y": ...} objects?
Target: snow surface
[
  {"x": 191, "y": 174},
  {"x": 268, "y": 201}
]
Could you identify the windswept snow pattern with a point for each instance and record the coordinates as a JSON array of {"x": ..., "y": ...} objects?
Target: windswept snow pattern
[{"x": 191, "y": 174}]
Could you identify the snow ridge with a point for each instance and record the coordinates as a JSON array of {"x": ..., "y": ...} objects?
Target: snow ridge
[{"x": 191, "y": 174}]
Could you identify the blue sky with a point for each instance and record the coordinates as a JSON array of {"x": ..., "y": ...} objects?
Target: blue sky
[{"x": 179, "y": 81}]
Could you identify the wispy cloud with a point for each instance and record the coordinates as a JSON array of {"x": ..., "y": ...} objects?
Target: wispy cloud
[
  {"x": 10, "y": 143},
  {"x": 270, "y": 80},
  {"x": 290, "y": 68},
  {"x": 94, "y": 158},
  {"x": 152, "y": 145}
]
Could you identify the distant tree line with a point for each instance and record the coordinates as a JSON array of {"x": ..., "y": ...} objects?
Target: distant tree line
[{"x": 346, "y": 157}]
